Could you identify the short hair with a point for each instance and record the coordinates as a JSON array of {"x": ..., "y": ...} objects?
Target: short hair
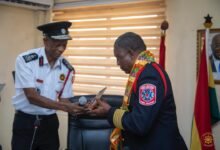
[{"x": 130, "y": 41}]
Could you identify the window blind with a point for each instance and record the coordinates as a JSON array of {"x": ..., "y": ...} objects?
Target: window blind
[{"x": 94, "y": 31}]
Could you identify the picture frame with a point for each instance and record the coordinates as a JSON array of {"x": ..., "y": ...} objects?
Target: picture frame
[{"x": 200, "y": 37}]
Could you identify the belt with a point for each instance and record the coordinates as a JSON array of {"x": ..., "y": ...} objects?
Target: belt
[{"x": 43, "y": 117}]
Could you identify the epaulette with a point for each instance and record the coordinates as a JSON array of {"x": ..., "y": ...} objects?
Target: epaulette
[
  {"x": 30, "y": 57},
  {"x": 67, "y": 64}
]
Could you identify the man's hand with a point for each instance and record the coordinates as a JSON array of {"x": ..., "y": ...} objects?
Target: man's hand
[
  {"x": 74, "y": 109},
  {"x": 99, "y": 108}
]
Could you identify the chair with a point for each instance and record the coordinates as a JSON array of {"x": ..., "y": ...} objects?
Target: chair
[{"x": 90, "y": 133}]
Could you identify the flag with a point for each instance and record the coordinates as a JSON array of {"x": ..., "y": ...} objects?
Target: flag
[
  {"x": 201, "y": 136},
  {"x": 162, "y": 51},
  {"x": 215, "y": 114}
]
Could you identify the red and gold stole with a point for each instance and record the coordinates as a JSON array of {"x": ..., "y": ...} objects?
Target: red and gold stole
[{"x": 142, "y": 59}]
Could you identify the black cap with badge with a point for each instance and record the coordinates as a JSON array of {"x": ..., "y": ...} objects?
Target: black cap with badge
[{"x": 56, "y": 30}]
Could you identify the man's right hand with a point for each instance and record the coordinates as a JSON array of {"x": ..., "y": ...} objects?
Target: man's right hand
[{"x": 98, "y": 108}]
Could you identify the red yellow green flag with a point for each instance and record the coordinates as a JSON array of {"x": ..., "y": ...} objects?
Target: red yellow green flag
[{"x": 202, "y": 138}]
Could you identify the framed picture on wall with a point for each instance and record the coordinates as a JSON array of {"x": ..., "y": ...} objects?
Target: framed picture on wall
[{"x": 213, "y": 51}]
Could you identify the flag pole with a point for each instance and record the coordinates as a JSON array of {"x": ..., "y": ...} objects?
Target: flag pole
[
  {"x": 207, "y": 24},
  {"x": 164, "y": 26}
]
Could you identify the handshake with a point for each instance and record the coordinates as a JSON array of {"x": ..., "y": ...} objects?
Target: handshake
[{"x": 93, "y": 107}]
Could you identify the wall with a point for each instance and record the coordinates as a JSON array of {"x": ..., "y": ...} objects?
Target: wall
[
  {"x": 185, "y": 17},
  {"x": 18, "y": 33}
]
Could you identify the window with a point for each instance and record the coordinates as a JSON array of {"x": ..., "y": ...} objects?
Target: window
[{"x": 94, "y": 31}]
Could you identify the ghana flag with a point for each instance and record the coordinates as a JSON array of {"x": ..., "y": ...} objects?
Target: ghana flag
[
  {"x": 202, "y": 138},
  {"x": 215, "y": 114}
]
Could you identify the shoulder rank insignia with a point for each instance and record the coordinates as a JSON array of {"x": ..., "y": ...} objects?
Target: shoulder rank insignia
[
  {"x": 30, "y": 57},
  {"x": 67, "y": 64}
]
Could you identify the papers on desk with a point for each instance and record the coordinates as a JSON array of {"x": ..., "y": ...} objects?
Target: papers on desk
[{"x": 2, "y": 86}]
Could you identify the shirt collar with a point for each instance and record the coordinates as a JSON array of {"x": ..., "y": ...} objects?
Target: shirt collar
[{"x": 45, "y": 61}]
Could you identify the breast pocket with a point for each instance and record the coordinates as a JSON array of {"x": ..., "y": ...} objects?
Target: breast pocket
[
  {"x": 60, "y": 82},
  {"x": 44, "y": 89},
  {"x": 59, "y": 86}
]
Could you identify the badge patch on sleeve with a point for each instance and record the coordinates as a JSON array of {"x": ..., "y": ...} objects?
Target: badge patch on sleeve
[{"x": 147, "y": 94}]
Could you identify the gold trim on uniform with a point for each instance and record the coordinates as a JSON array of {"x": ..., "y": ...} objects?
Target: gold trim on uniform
[
  {"x": 117, "y": 118},
  {"x": 62, "y": 77}
]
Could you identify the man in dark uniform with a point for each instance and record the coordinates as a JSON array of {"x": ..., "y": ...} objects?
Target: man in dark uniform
[
  {"x": 147, "y": 119},
  {"x": 43, "y": 84}
]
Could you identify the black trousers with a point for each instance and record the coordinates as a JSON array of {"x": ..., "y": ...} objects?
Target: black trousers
[{"x": 46, "y": 132}]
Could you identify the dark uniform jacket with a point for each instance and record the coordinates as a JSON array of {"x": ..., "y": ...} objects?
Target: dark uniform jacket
[{"x": 153, "y": 125}]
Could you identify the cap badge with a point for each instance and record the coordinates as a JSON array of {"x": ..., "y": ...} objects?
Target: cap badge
[
  {"x": 63, "y": 31},
  {"x": 62, "y": 77}
]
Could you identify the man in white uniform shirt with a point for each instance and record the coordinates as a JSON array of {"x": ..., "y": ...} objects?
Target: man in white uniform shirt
[
  {"x": 215, "y": 57},
  {"x": 43, "y": 84}
]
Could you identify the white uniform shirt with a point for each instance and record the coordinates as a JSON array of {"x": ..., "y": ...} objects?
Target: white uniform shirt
[{"x": 32, "y": 70}]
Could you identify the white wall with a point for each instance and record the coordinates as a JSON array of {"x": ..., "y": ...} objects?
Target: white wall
[
  {"x": 18, "y": 34},
  {"x": 185, "y": 17}
]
